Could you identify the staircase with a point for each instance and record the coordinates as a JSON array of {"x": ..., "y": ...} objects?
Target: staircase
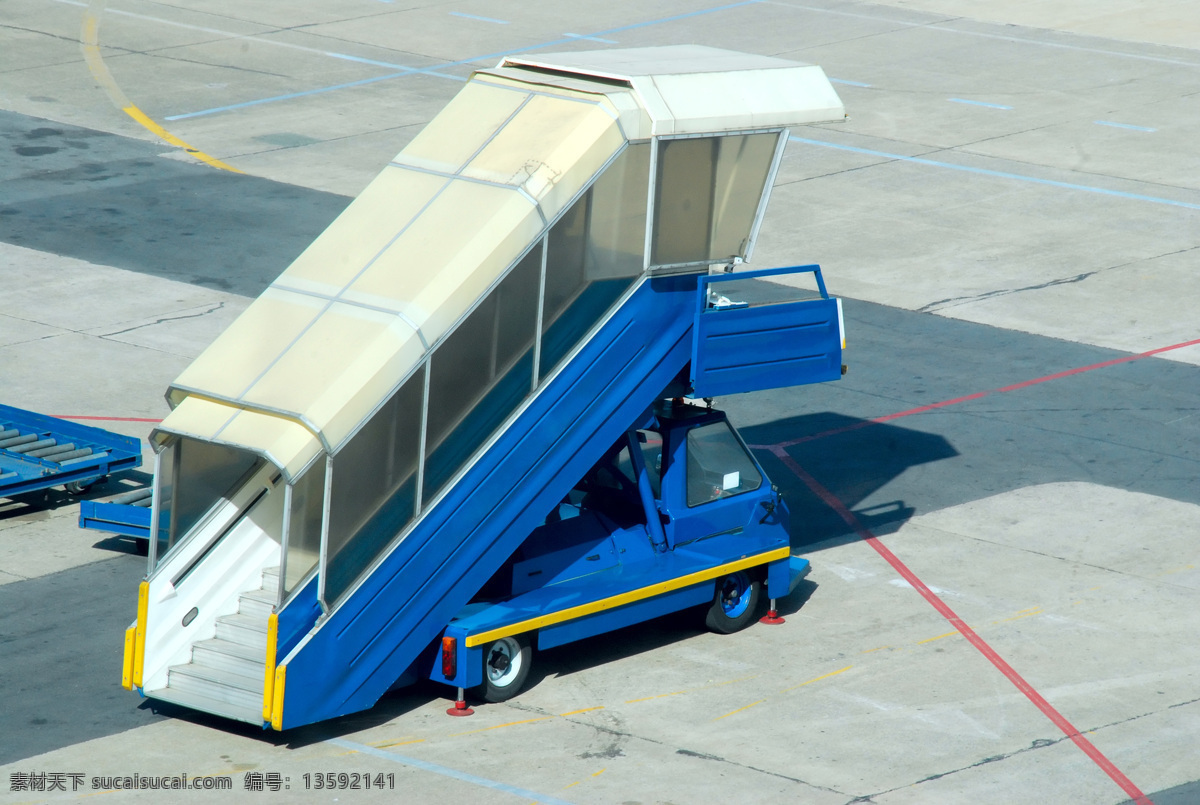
[{"x": 225, "y": 675}]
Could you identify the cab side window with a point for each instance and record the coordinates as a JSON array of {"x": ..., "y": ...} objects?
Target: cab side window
[{"x": 718, "y": 466}]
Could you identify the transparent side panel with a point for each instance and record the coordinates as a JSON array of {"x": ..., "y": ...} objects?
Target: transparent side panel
[
  {"x": 374, "y": 487},
  {"x": 594, "y": 253},
  {"x": 197, "y": 476},
  {"x": 743, "y": 163},
  {"x": 481, "y": 372},
  {"x": 165, "y": 490},
  {"x": 707, "y": 194},
  {"x": 717, "y": 465},
  {"x": 617, "y": 230},
  {"x": 304, "y": 528}
]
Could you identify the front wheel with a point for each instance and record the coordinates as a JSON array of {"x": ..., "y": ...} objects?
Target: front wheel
[
  {"x": 505, "y": 668},
  {"x": 734, "y": 603}
]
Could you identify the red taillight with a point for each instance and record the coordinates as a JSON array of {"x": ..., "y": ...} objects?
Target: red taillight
[{"x": 449, "y": 657}]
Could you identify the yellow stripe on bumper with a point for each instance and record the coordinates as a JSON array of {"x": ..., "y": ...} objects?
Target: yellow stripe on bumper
[{"x": 614, "y": 601}]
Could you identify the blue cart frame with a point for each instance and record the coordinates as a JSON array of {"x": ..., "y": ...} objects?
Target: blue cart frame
[{"x": 39, "y": 451}]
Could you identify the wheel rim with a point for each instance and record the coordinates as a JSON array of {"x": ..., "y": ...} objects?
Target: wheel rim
[
  {"x": 735, "y": 596},
  {"x": 503, "y": 662}
]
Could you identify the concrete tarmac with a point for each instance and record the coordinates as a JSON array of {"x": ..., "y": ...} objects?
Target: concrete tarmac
[{"x": 999, "y": 499}]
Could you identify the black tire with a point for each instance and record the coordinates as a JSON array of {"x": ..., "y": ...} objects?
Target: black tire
[
  {"x": 505, "y": 668},
  {"x": 79, "y": 487},
  {"x": 734, "y": 605}
]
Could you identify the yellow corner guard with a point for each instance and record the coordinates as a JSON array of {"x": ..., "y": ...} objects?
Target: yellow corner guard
[
  {"x": 139, "y": 636},
  {"x": 127, "y": 665},
  {"x": 277, "y": 699},
  {"x": 269, "y": 673}
]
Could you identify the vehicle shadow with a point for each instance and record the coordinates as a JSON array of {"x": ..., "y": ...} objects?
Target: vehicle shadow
[{"x": 850, "y": 459}]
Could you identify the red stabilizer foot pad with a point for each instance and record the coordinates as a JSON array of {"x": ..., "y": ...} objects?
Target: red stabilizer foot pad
[
  {"x": 460, "y": 709},
  {"x": 772, "y": 617}
]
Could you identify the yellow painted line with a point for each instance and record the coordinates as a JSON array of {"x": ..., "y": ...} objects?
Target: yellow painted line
[
  {"x": 819, "y": 678},
  {"x": 1076, "y": 603},
  {"x": 659, "y": 696},
  {"x": 139, "y": 638},
  {"x": 501, "y": 726},
  {"x": 740, "y": 709},
  {"x": 1177, "y": 570},
  {"x": 1028, "y": 609},
  {"x": 399, "y": 743},
  {"x": 614, "y": 601},
  {"x": 730, "y": 682},
  {"x": 597, "y": 774},
  {"x": 140, "y": 117},
  {"x": 89, "y": 41},
  {"x": 881, "y": 648},
  {"x": 584, "y": 710},
  {"x": 1038, "y": 611},
  {"x": 269, "y": 669},
  {"x": 939, "y": 637},
  {"x": 577, "y": 782}
]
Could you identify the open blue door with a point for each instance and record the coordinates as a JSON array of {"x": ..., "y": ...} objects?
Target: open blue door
[{"x": 748, "y": 345}]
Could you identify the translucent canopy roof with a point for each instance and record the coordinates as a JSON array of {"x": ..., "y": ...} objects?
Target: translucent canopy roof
[
  {"x": 327, "y": 343},
  {"x": 692, "y": 89}
]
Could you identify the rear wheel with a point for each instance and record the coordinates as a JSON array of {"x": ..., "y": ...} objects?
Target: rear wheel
[
  {"x": 734, "y": 603},
  {"x": 79, "y": 487},
  {"x": 505, "y": 668}
]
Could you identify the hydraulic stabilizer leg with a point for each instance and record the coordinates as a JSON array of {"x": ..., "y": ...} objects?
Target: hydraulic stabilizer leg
[
  {"x": 772, "y": 617},
  {"x": 460, "y": 706}
]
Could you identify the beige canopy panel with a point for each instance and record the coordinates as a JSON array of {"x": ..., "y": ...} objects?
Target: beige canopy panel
[
  {"x": 564, "y": 143},
  {"x": 285, "y": 443},
  {"x": 694, "y": 89}
]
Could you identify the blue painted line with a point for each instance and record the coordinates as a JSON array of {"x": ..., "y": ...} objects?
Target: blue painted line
[
  {"x": 392, "y": 66},
  {"x": 454, "y": 774},
  {"x": 592, "y": 38},
  {"x": 1104, "y": 191},
  {"x": 305, "y": 93},
  {"x": 461, "y": 62},
  {"x": 849, "y": 83},
  {"x": 1124, "y": 126},
  {"x": 477, "y": 17},
  {"x": 231, "y": 107},
  {"x": 980, "y": 103}
]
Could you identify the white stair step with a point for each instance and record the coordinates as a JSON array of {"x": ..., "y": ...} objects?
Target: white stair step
[
  {"x": 237, "y": 658},
  {"x": 197, "y": 680},
  {"x": 245, "y": 630},
  {"x": 208, "y": 704},
  {"x": 224, "y": 676},
  {"x": 257, "y": 604},
  {"x": 271, "y": 580}
]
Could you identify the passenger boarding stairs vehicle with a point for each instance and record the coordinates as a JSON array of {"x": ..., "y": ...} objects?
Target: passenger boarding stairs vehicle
[{"x": 457, "y": 427}]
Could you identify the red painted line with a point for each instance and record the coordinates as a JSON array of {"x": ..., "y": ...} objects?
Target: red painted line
[
  {"x": 966, "y": 631},
  {"x": 107, "y": 418},
  {"x": 866, "y": 423}
]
